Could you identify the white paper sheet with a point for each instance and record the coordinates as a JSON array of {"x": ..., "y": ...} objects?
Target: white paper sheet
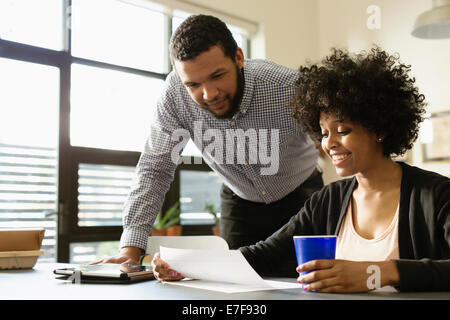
[
  {"x": 218, "y": 270},
  {"x": 227, "y": 287}
]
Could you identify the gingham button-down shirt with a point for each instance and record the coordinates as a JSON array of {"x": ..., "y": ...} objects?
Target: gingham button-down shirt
[{"x": 269, "y": 159}]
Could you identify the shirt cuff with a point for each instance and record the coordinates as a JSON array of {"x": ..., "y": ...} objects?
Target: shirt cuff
[{"x": 134, "y": 237}]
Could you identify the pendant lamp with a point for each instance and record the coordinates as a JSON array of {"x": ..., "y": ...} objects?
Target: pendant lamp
[{"x": 434, "y": 23}]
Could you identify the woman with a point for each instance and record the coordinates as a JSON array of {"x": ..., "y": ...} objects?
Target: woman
[{"x": 364, "y": 109}]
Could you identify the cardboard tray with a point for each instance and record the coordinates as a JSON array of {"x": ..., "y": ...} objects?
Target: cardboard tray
[
  {"x": 19, "y": 259},
  {"x": 20, "y": 248}
]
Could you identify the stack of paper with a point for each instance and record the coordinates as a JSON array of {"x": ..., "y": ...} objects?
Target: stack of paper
[{"x": 218, "y": 270}]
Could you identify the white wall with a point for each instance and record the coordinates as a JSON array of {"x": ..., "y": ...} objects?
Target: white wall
[
  {"x": 293, "y": 31},
  {"x": 343, "y": 23},
  {"x": 288, "y": 32}
]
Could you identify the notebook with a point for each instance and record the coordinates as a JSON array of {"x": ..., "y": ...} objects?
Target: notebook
[{"x": 105, "y": 273}]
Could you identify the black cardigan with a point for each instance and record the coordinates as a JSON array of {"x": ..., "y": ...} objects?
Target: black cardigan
[{"x": 423, "y": 231}]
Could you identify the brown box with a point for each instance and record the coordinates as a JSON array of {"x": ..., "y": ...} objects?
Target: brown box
[{"x": 20, "y": 248}]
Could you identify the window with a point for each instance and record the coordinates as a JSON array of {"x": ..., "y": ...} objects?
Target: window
[
  {"x": 28, "y": 143},
  {"x": 37, "y": 23},
  {"x": 85, "y": 252},
  {"x": 119, "y": 33},
  {"x": 197, "y": 189},
  {"x": 111, "y": 109},
  {"x": 79, "y": 82},
  {"x": 102, "y": 191}
]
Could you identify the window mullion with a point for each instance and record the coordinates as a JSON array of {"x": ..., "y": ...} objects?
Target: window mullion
[{"x": 66, "y": 169}]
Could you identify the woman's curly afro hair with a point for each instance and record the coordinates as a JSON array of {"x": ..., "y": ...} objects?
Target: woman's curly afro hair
[{"x": 371, "y": 89}]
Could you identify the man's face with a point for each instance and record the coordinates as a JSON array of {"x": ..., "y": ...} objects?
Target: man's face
[{"x": 213, "y": 80}]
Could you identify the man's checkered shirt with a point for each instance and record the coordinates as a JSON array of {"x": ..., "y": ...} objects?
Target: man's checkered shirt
[{"x": 268, "y": 91}]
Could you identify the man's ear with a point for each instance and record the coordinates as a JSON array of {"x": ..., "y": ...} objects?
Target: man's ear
[{"x": 239, "y": 58}]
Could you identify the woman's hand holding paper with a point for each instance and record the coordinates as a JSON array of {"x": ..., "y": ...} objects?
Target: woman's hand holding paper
[{"x": 162, "y": 271}]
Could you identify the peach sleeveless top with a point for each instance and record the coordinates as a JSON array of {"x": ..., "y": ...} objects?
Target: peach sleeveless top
[{"x": 351, "y": 246}]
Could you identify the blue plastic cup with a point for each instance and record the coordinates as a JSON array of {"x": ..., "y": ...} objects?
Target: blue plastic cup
[{"x": 309, "y": 248}]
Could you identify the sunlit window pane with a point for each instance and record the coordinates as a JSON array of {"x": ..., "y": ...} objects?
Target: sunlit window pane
[
  {"x": 29, "y": 103},
  {"x": 198, "y": 188},
  {"x": 28, "y": 149},
  {"x": 178, "y": 17},
  {"x": 111, "y": 109},
  {"x": 38, "y": 23},
  {"x": 102, "y": 192},
  {"x": 120, "y": 33},
  {"x": 85, "y": 252}
]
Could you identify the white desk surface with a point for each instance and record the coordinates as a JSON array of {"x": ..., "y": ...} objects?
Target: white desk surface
[{"x": 39, "y": 283}]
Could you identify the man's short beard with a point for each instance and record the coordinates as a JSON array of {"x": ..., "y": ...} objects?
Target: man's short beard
[{"x": 235, "y": 102}]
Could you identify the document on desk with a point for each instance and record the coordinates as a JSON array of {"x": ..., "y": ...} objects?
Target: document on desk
[{"x": 218, "y": 270}]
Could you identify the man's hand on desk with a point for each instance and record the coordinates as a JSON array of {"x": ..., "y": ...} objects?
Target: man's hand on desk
[
  {"x": 162, "y": 272},
  {"x": 129, "y": 255}
]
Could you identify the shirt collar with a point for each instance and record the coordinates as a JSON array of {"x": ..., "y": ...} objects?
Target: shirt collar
[{"x": 247, "y": 95}]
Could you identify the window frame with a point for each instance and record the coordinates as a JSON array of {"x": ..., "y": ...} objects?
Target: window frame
[{"x": 69, "y": 157}]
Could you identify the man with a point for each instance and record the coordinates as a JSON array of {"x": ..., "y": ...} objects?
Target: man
[{"x": 214, "y": 94}]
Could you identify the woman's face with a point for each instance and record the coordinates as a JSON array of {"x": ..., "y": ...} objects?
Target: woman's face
[{"x": 351, "y": 147}]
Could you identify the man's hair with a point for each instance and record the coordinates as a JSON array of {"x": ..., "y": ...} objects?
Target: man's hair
[
  {"x": 371, "y": 89},
  {"x": 197, "y": 34}
]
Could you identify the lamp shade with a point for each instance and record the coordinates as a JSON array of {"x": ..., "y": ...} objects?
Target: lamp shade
[{"x": 435, "y": 23}]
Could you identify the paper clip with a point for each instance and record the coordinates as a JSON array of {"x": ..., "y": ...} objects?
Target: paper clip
[{"x": 75, "y": 277}]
